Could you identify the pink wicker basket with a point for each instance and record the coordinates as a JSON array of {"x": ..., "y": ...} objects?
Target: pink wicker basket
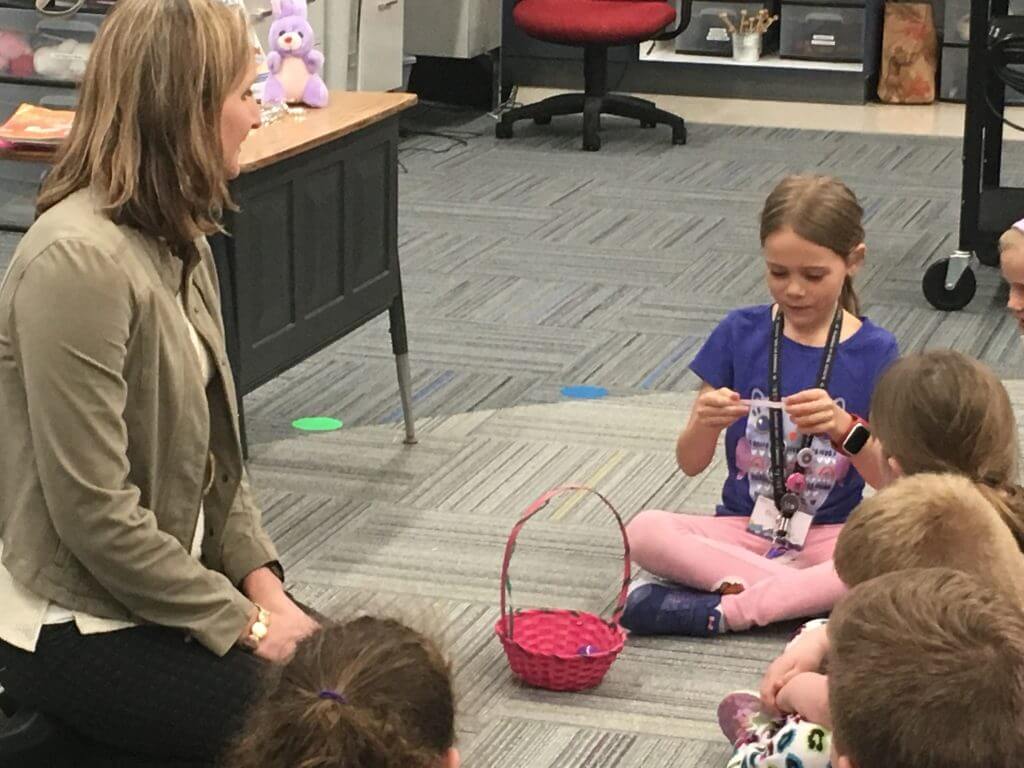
[{"x": 558, "y": 649}]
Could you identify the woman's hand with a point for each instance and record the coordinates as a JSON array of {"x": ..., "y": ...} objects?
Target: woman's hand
[
  {"x": 716, "y": 409},
  {"x": 806, "y": 653},
  {"x": 289, "y": 625},
  {"x": 814, "y": 412},
  {"x": 806, "y": 695}
]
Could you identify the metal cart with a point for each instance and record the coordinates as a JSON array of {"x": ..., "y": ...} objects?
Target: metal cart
[{"x": 986, "y": 208}]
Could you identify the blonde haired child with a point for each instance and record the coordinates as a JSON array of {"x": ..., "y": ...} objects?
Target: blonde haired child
[{"x": 1011, "y": 263}]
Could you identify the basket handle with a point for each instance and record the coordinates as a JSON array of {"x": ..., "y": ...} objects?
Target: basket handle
[{"x": 537, "y": 506}]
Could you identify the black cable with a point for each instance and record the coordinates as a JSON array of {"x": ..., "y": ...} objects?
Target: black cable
[
  {"x": 455, "y": 139},
  {"x": 455, "y": 135},
  {"x": 999, "y": 51},
  {"x": 999, "y": 115}
]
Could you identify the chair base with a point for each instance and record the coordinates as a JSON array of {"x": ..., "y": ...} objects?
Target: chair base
[
  {"x": 593, "y": 103},
  {"x": 592, "y": 107}
]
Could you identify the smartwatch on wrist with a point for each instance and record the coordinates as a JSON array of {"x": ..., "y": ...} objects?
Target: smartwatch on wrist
[{"x": 856, "y": 438}]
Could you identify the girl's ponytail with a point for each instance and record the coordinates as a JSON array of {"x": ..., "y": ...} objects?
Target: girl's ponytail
[
  {"x": 848, "y": 298},
  {"x": 1008, "y": 501},
  {"x": 372, "y": 692}
]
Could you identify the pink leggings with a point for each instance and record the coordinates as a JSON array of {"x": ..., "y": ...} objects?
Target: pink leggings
[{"x": 705, "y": 552}]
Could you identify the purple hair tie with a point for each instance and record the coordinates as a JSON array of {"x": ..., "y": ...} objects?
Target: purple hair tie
[{"x": 333, "y": 696}]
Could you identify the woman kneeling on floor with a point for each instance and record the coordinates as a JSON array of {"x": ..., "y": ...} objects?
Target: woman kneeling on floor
[{"x": 141, "y": 596}]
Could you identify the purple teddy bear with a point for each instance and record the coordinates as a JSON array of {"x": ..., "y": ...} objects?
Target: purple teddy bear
[{"x": 294, "y": 66}]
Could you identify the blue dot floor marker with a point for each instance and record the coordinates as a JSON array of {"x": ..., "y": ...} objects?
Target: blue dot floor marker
[
  {"x": 317, "y": 424},
  {"x": 584, "y": 392}
]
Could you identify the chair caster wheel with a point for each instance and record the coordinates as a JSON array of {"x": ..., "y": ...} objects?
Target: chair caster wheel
[
  {"x": 503, "y": 131},
  {"x": 679, "y": 135},
  {"x": 542, "y": 120},
  {"x": 591, "y": 144}
]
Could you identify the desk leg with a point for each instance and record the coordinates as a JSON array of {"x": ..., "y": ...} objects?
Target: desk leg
[
  {"x": 497, "y": 87},
  {"x": 400, "y": 346}
]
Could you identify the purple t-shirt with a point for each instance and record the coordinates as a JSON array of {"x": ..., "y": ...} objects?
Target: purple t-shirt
[{"x": 736, "y": 356}]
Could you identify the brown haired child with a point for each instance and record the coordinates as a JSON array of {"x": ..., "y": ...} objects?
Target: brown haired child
[
  {"x": 941, "y": 411},
  {"x": 784, "y": 381},
  {"x": 371, "y": 693},
  {"x": 926, "y": 670}
]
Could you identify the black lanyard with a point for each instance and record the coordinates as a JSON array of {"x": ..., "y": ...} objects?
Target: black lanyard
[{"x": 778, "y": 443}]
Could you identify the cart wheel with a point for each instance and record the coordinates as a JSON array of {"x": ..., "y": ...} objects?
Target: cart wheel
[
  {"x": 934, "y": 286},
  {"x": 503, "y": 130}
]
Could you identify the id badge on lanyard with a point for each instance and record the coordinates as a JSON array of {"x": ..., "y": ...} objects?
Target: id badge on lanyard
[
  {"x": 784, "y": 533},
  {"x": 784, "y": 518}
]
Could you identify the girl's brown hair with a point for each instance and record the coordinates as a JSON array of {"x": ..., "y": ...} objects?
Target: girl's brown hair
[
  {"x": 371, "y": 693},
  {"x": 941, "y": 411},
  {"x": 821, "y": 210},
  {"x": 146, "y": 135}
]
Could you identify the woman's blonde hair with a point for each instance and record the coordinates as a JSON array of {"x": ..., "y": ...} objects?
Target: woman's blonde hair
[
  {"x": 941, "y": 411},
  {"x": 146, "y": 135},
  {"x": 823, "y": 211}
]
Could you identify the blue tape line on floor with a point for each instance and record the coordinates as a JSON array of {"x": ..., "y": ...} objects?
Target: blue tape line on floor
[{"x": 584, "y": 392}]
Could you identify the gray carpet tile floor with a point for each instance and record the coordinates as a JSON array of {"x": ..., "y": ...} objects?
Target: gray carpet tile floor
[{"x": 529, "y": 265}]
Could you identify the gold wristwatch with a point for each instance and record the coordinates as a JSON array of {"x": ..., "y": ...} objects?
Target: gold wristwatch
[{"x": 259, "y": 628}]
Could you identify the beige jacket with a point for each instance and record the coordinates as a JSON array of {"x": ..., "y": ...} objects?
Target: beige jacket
[{"x": 108, "y": 438}]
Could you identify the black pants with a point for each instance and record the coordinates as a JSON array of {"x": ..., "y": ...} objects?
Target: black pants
[{"x": 135, "y": 697}]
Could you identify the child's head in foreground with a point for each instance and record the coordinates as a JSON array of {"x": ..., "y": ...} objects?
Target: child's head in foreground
[
  {"x": 371, "y": 693},
  {"x": 926, "y": 670},
  {"x": 925, "y": 521}
]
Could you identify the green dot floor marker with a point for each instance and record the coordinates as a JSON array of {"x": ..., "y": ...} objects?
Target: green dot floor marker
[{"x": 317, "y": 424}]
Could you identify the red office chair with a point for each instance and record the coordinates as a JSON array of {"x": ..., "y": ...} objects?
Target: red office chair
[{"x": 596, "y": 25}]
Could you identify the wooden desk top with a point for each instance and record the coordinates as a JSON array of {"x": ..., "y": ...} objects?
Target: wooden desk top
[{"x": 346, "y": 113}]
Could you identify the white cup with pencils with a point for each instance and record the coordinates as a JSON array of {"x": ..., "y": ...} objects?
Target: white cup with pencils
[{"x": 748, "y": 35}]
